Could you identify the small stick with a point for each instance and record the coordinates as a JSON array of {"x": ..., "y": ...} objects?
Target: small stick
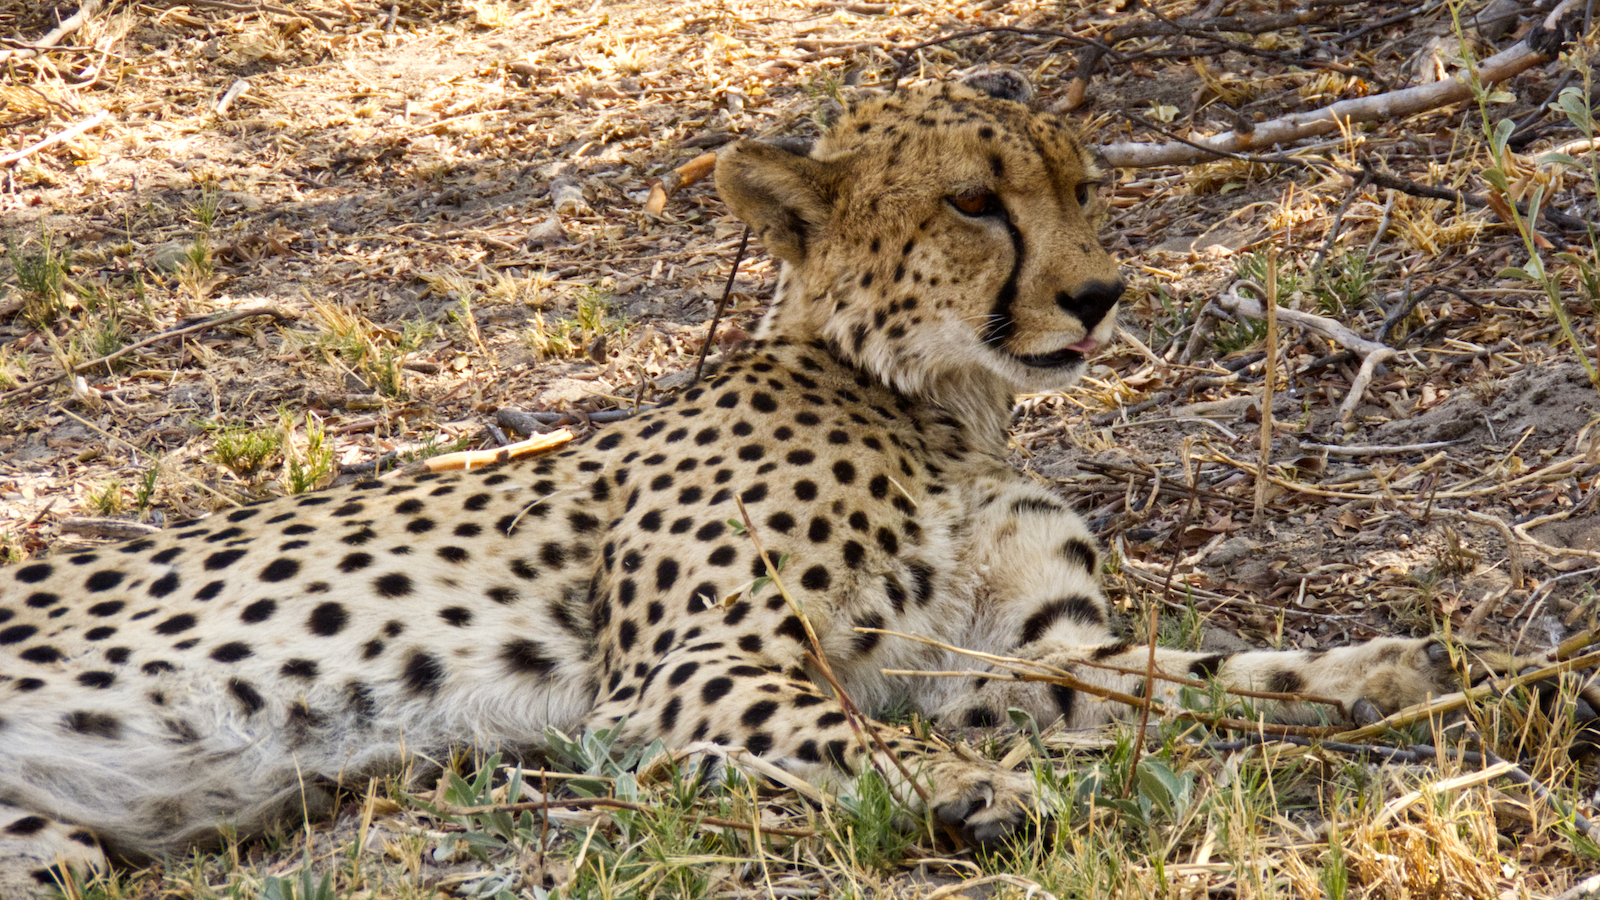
[
  {"x": 1375, "y": 449},
  {"x": 722, "y": 305},
  {"x": 1393, "y": 105},
  {"x": 1372, "y": 353},
  {"x": 68, "y": 25},
  {"x": 56, "y": 138},
  {"x": 230, "y": 95},
  {"x": 1268, "y": 384},
  {"x": 223, "y": 319}
]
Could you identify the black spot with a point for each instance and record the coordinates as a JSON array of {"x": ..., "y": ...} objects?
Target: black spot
[
  {"x": 844, "y": 472},
  {"x": 100, "y": 680},
  {"x": 627, "y": 633},
  {"x": 299, "y": 668},
  {"x": 523, "y": 656},
  {"x": 247, "y": 695},
  {"x": 1111, "y": 650},
  {"x": 25, "y": 685},
  {"x": 327, "y": 619},
  {"x": 407, "y": 507},
  {"x": 723, "y": 556},
  {"x": 1206, "y": 666},
  {"x": 372, "y": 649},
  {"x": 419, "y": 525},
  {"x": 553, "y": 555},
  {"x": 106, "y": 608},
  {"x": 259, "y": 611},
  {"x": 792, "y": 628},
  {"x": 94, "y": 724},
  {"x": 164, "y": 585},
  {"x": 459, "y": 616},
  {"x": 222, "y": 559},
  {"x": 118, "y": 655},
  {"x": 99, "y": 634},
  {"x": 394, "y": 584},
  {"x": 209, "y": 590},
  {"x": 178, "y": 623},
  {"x": 281, "y": 569},
  {"x": 233, "y": 651},
  {"x": 1284, "y": 681},
  {"x": 816, "y": 578},
  {"x": 853, "y": 554},
  {"x": 34, "y": 574},
  {"x": 781, "y": 522},
  {"x": 156, "y": 667},
  {"x": 609, "y": 441},
  {"x": 716, "y": 689},
  {"x": 666, "y": 574},
  {"x": 820, "y": 530},
  {"x": 16, "y": 634},
  {"x": 830, "y": 719},
  {"x": 355, "y": 562},
  {"x": 26, "y": 825},
  {"x": 423, "y": 673},
  {"x": 1082, "y": 553},
  {"x": 103, "y": 580},
  {"x": 1080, "y": 609},
  {"x": 758, "y": 713}
]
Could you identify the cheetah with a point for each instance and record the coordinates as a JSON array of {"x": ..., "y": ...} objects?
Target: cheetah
[{"x": 939, "y": 255}]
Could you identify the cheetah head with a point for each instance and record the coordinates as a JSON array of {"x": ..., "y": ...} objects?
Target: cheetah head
[{"x": 935, "y": 236}]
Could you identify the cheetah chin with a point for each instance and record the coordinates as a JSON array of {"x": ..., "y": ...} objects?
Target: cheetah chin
[{"x": 939, "y": 255}]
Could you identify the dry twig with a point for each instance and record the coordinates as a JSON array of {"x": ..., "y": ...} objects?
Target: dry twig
[{"x": 1538, "y": 48}]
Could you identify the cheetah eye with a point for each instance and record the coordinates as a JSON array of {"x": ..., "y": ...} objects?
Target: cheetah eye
[{"x": 978, "y": 204}]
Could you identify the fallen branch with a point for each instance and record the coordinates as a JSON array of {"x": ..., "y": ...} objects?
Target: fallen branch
[
  {"x": 223, "y": 319},
  {"x": 307, "y": 15},
  {"x": 1541, "y": 46},
  {"x": 68, "y": 25},
  {"x": 56, "y": 138},
  {"x": 1371, "y": 352},
  {"x": 662, "y": 189}
]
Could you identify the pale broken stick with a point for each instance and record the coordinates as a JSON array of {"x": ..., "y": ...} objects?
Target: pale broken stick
[
  {"x": 1399, "y": 104},
  {"x": 56, "y": 138},
  {"x": 477, "y": 459},
  {"x": 68, "y": 25},
  {"x": 1371, "y": 352},
  {"x": 662, "y": 189}
]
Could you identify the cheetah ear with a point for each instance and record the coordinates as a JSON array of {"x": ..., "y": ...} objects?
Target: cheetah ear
[
  {"x": 1002, "y": 83},
  {"x": 782, "y": 195}
]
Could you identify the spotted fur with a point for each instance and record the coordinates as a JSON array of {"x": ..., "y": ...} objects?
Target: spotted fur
[{"x": 939, "y": 256}]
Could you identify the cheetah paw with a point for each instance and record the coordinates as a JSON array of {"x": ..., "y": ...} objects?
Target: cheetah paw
[{"x": 981, "y": 801}]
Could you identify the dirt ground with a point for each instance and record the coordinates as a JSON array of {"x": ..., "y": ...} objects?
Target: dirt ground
[{"x": 437, "y": 211}]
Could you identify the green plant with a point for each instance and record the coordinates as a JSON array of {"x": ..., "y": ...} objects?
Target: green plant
[
  {"x": 145, "y": 491},
  {"x": 108, "y": 500},
  {"x": 1498, "y": 134},
  {"x": 1345, "y": 283},
  {"x": 302, "y": 885},
  {"x": 246, "y": 450},
  {"x": 308, "y": 467},
  {"x": 41, "y": 268}
]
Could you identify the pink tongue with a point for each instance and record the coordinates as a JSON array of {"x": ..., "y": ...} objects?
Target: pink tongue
[{"x": 1085, "y": 346}]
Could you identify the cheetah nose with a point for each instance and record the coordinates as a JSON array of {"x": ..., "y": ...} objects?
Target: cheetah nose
[{"x": 1091, "y": 302}]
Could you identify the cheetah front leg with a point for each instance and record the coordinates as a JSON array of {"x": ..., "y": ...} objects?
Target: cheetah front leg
[
  {"x": 37, "y": 854},
  {"x": 762, "y": 702},
  {"x": 1041, "y": 600}
]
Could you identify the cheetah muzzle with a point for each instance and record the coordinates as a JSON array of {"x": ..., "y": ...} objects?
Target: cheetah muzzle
[{"x": 939, "y": 256}]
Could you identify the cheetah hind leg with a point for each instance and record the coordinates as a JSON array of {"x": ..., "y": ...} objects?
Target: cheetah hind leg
[{"x": 37, "y": 854}]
